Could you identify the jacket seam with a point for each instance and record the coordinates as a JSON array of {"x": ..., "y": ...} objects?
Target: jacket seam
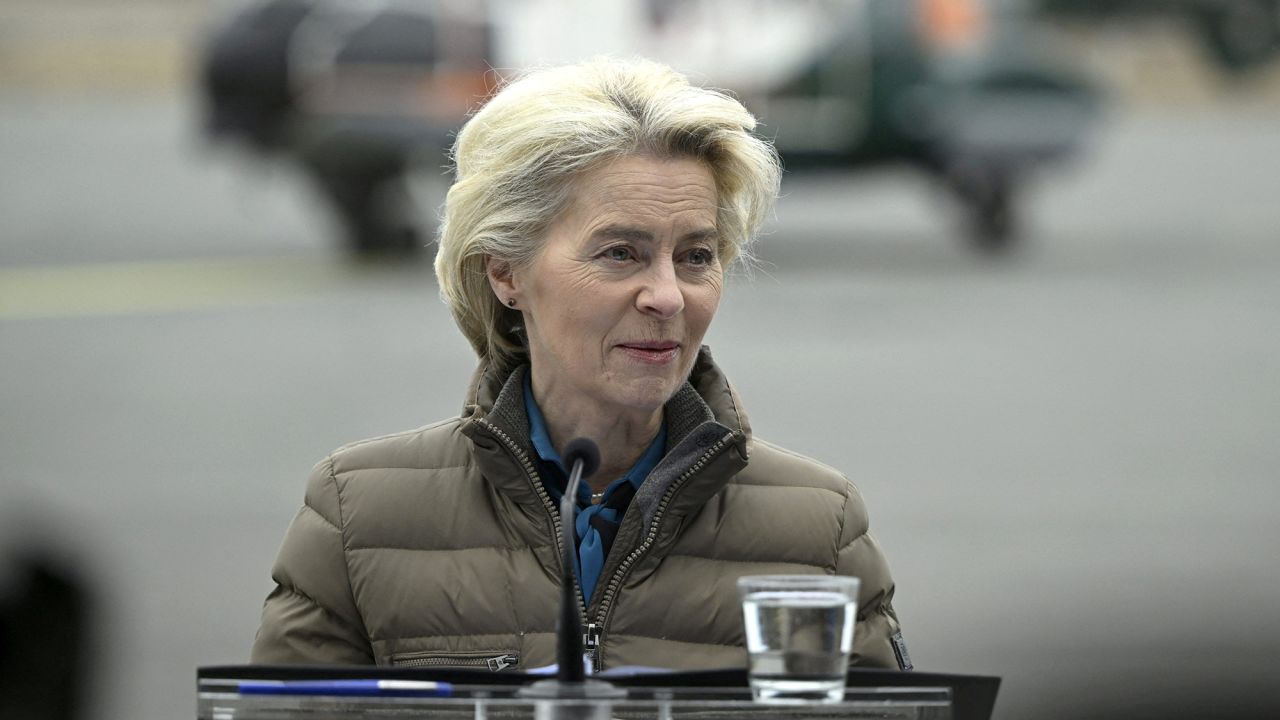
[
  {"x": 880, "y": 604},
  {"x": 293, "y": 590},
  {"x": 737, "y": 416},
  {"x": 851, "y": 543},
  {"x": 395, "y": 467},
  {"x": 736, "y": 482},
  {"x": 679, "y": 642},
  {"x": 342, "y": 534},
  {"x": 802, "y": 457},
  {"x": 769, "y": 561},
  {"x": 320, "y": 515},
  {"x": 409, "y": 638},
  {"x": 389, "y": 436},
  {"x": 844, "y": 520}
]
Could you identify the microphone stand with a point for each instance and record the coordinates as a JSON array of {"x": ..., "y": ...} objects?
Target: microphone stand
[{"x": 570, "y": 696}]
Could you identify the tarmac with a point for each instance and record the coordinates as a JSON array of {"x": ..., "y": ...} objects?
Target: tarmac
[{"x": 1069, "y": 453}]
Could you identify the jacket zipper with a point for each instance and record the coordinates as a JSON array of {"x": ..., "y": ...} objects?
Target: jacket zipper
[
  {"x": 591, "y": 645},
  {"x": 615, "y": 581},
  {"x": 552, "y": 512},
  {"x": 493, "y": 664}
]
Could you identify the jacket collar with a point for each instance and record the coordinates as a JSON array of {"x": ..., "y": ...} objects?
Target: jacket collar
[{"x": 705, "y": 423}]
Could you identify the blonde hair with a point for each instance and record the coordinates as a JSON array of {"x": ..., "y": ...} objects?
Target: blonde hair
[{"x": 515, "y": 161}]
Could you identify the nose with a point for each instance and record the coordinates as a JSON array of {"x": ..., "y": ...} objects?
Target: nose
[{"x": 661, "y": 296}]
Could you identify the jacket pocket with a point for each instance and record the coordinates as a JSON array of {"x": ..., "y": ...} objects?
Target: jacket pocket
[{"x": 493, "y": 661}]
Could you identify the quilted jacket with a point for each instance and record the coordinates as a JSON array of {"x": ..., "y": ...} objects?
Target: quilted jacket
[{"x": 439, "y": 546}]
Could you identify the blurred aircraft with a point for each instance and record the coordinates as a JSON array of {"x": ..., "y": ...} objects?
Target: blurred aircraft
[
  {"x": 1240, "y": 35},
  {"x": 361, "y": 93},
  {"x": 963, "y": 90}
]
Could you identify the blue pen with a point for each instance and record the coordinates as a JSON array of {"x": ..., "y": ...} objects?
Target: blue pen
[{"x": 395, "y": 688}]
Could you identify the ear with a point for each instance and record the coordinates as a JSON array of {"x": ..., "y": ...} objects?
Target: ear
[{"x": 501, "y": 278}]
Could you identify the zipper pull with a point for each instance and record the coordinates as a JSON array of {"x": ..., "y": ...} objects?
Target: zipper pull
[
  {"x": 502, "y": 662},
  {"x": 591, "y": 645}
]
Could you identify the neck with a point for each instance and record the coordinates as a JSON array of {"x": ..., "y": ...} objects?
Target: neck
[{"x": 622, "y": 436}]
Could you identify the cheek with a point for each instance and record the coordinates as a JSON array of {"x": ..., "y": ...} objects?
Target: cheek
[
  {"x": 588, "y": 319},
  {"x": 702, "y": 304},
  {"x": 569, "y": 303}
]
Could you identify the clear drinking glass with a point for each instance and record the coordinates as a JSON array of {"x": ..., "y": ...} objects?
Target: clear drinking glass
[{"x": 799, "y": 632}]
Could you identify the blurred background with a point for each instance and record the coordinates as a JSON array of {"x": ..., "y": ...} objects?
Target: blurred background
[{"x": 1037, "y": 242}]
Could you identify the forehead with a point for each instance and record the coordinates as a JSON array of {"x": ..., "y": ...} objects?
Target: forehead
[{"x": 643, "y": 185}]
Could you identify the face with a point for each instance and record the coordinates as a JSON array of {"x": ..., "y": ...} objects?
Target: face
[{"x": 617, "y": 302}]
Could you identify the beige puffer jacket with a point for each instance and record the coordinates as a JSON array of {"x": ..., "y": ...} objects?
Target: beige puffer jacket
[{"x": 439, "y": 546}]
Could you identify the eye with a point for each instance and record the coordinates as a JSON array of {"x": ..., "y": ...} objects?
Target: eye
[
  {"x": 619, "y": 253},
  {"x": 700, "y": 256}
]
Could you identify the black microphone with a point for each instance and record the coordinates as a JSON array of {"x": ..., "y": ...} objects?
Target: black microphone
[
  {"x": 570, "y": 696},
  {"x": 581, "y": 450},
  {"x": 583, "y": 458}
]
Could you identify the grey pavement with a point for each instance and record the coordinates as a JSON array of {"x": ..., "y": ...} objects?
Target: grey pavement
[{"x": 1069, "y": 454}]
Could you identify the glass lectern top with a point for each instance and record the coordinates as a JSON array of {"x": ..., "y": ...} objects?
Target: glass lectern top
[{"x": 221, "y": 699}]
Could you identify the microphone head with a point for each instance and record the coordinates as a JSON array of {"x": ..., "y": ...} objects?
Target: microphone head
[{"x": 581, "y": 448}]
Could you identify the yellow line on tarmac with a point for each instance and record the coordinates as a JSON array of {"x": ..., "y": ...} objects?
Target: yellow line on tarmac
[
  {"x": 96, "y": 64},
  {"x": 132, "y": 288}
]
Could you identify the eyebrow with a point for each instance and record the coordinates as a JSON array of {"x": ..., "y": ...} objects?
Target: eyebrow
[{"x": 619, "y": 232}]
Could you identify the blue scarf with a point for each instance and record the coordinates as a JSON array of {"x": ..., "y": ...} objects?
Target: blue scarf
[{"x": 596, "y": 525}]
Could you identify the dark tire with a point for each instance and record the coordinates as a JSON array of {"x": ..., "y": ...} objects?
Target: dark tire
[
  {"x": 373, "y": 208},
  {"x": 987, "y": 194},
  {"x": 992, "y": 224},
  {"x": 1242, "y": 34}
]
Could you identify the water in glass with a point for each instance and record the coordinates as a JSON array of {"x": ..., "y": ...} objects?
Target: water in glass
[{"x": 798, "y": 642}]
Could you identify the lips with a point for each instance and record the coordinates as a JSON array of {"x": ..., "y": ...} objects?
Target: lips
[{"x": 658, "y": 352}]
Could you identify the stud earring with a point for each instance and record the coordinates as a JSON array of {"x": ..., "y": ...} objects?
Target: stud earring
[{"x": 511, "y": 302}]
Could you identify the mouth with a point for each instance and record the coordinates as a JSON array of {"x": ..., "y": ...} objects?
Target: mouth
[{"x": 656, "y": 352}]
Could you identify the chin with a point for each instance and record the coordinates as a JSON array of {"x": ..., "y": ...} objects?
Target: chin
[{"x": 645, "y": 393}]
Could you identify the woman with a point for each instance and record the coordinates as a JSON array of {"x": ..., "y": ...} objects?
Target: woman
[{"x": 583, "y": 255}]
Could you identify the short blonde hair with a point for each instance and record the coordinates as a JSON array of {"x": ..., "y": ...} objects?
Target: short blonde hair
[{"x": 515, "y": 161}]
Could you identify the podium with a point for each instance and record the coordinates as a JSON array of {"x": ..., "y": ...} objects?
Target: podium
[{"x": 719, "y": 695}]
